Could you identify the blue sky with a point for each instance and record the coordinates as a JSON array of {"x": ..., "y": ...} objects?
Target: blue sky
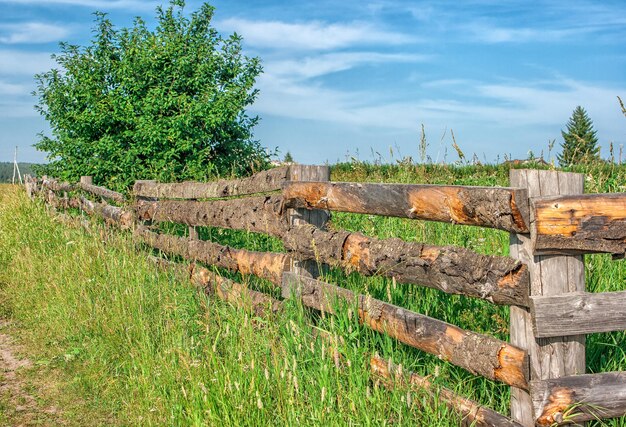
[{"x": 359, "y": 78}]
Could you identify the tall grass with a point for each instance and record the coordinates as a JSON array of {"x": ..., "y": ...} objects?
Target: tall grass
[{"x": 147, "y": 349}]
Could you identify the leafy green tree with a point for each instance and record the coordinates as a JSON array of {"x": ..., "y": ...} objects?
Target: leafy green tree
[
  {"x": 580, "y": 143},
  {"x": 167, "y": 104},
  {"x": 288, "y": 158}
]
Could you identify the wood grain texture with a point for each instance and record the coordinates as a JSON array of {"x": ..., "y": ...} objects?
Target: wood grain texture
[
  {"x": 477, "y": 353},
  {"x": 580, "y": 224},
  {"x": 262, "y": 182},
  {"x": 473, "y": 413},
  {"x": 578, "y": 313},
  {"x": 454, "y": 270},
  {"x": 579, "y": 398},
  {"x": 501, "y": 208},
  {"x": 549, "y": 275},
  {"x": 267, "y": 265},
  {"x": 313, "y": 217}
]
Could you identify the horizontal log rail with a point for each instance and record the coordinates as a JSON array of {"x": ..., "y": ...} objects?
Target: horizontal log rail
[
  {"x": 103, "y": 192},
  {"x": 472, "y": 412},
  {"x": 454, "y": 270},
  {"x": 261, "y": 214},
  {"x": 477, "y": 353},
  {"x": 578, "y": 313},
  {"x": 495, "y": 207},
  {"x": 579, "y": 398},
  {"x": 262, "y": 182},
  {"x": 235, "y": 293},
  {"x": 267, "y": 265},
  {"x": 580, "y": 224}
]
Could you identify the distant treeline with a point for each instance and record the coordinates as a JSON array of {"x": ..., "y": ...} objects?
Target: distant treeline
[{"x": 6, "y": 170}]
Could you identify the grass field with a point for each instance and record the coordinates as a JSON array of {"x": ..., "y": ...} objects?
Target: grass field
[{"x": 115, "y": 341}]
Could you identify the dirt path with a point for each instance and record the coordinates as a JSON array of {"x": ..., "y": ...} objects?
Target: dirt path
[{"x": 18, "y": 407}]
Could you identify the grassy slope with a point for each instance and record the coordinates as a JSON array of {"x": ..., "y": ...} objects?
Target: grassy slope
[{"x": 148, "y": 349}]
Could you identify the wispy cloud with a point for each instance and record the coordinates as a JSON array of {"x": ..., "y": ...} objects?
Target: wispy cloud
[
  {"x": 315, "y": 66},
  {"x": 32, "y": 33},
  {"x": 8, "y": 88},
  {"x": 23, "y": 63},
  {"x": 311, "y": 35}
]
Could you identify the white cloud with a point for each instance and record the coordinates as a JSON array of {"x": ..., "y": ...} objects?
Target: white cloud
[
  {"x": 8, "y": 88},
  {"x": 313, "y": 35},
  {"x": 15, "y": 62},
  {"x": 315, "y": 66},
  {"x": 31, "y": 32}
]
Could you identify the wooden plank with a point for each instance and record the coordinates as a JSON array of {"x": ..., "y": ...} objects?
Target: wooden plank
[
  {"x": 501, "y": 208},
  {"x": 549, "y": 275},
  {"x": 300, "y": 216},
  {"x": 261, "y": 214},
  {"x": 578, "y": 313},
  {"x": 588, "y": 223},
  {"x": 103, "y": 192},
  {"x": 501, "y": 280},
  {"x": 262, "y": 182},
  {"x": 479, "y": 354},
  {"x": 578, "y": 398},
  {"x": 235, "y": 293},
  {"x": 267, "y": 265},
  {"x": 473, "y": 413}
]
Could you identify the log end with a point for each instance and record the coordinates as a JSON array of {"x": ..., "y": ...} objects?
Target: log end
[{"x": 513, "y": 366}]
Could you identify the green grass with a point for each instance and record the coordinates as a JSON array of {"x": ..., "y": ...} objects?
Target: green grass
[{"x": 145, "y": 348}]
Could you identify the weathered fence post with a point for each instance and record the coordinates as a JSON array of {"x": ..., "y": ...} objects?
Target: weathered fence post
[
  {"x": 302, "y": 216},
  {"x": 86, "y": 180},
  {"x": 549, "y": 275}
]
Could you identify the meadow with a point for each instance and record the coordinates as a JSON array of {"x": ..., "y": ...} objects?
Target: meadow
[{"x": 117, "y": 341}]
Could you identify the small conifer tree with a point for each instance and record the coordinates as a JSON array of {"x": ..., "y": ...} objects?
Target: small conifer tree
[
  {"x": 580, "y": 143},
  {"x": 288, "y": 158}
]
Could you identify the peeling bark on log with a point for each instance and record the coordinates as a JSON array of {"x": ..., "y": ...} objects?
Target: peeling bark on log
[
  {"x": 580, "y": 224},
  {"x": 266, "y": 265},
  {"x": 261, "y": 214},
  {"x": 501, "y": 208},
  {"x": 579, "y": 398},
  {"x": 105, "y": 193},
  {"x": 261, "y": 182},
  {"x": 473, "y": 413},
  {"x": 235, "y": 293},
  {"x": 479, "y": 354},
  {"x": 454, "y": 270}
]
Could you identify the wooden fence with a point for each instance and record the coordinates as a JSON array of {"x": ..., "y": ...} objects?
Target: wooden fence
[{"x": 551, "y": 224}]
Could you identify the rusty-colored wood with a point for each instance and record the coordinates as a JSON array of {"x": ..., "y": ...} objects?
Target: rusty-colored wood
[
  {"x": 267, "y": 265},
  {"x": 262, "y": 182},
  {"x": 501, "y": 280},
  {"x": 580, "y": 224},
  {"x": 579, "y": 398},
  {"x": 501, "y": 208},
  {"x": 477, "y": 353},
  {"x": 473, "y": 413},
  {"x": 261, "y": 214}
]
